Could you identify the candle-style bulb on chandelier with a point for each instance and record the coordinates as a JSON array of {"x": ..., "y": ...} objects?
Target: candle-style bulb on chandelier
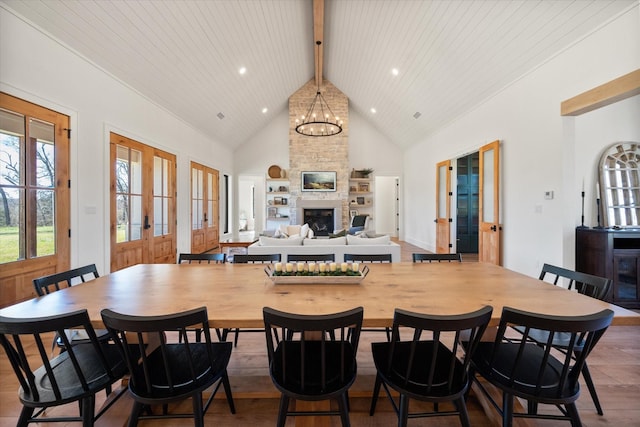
[{"x": 319, "y": 119}]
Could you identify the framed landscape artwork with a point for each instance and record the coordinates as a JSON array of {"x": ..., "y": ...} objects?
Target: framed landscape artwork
[{"x": 318, "y": 181}]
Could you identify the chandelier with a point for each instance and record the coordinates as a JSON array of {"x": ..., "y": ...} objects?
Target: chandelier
[{"x": 319, "y": 119}]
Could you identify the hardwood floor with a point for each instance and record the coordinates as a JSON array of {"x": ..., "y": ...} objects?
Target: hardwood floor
[{"x": 614, "y": 365}]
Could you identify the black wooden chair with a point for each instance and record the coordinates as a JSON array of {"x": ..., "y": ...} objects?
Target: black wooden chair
[
  {"x": 54, "y": 282},
  {"x": 367, "y": 257},
  {"x": 189, "y": 258},
  {"x": 200, "y": 258},
  {"x": 315, "y": 360},
  {"x": 436, "y": 257},
  {"x": 255, "y": 258},
  {"x": 310, "y": 257},
  {"x": 371, "y": 258},
  {"x": 251, "y": 259},
  {"x": 75, "y": 375},
  {"x": 426, "y": 366},
  {"x": 163, "y": 372},
  {"x": 536, "y": 371},
  {"x": 586, "y": 284}
]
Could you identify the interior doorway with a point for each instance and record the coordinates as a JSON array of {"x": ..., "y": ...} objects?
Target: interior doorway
[
  {"x": 467, "y": 203},
  {"x": 387, "y": 205}
]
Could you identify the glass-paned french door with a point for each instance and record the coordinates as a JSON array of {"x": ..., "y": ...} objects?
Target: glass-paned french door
[
  {"x": 143, "y": 212},
  {"x": 34, "y": 195},
  {"x": 205, "y": 226}
]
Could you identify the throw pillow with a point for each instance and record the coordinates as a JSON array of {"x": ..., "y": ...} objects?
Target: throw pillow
[
  {"x": 304, "y": 230},
  {"x": 354, "y": 240},
  {"x": 293, "y": 229}
]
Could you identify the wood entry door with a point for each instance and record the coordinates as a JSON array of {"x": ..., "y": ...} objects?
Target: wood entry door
[
  {"x": 143, "y": 208},
  {"x": 205, "y": 215},
  {"x": 443, "y": 207},
  {"x": 489, "y": 235},
  {"x": 35, "y": 224}
]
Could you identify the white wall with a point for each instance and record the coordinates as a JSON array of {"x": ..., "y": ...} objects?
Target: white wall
[
  {"x": 540, "y": 149},
  {"x": 36, "y": 68}
]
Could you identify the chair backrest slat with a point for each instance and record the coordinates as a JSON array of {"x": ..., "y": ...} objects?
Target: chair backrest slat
[
  {"x": 200, "y": 258},
  {"x": 310, "y": 257},
  {"x": 586, "y": 284},
  {"x": 67, "y": 278},
  {"x": 255, "y": 258},
  {"x": 436, "y": 257},
  {"x": 368, "y": 257}
]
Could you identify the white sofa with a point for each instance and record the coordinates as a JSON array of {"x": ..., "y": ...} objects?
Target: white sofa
[{"x": 338, "y": 246}]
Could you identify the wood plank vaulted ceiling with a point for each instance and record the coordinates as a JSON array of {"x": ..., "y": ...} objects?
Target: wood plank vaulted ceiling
[{"x": 184, "y": 55}]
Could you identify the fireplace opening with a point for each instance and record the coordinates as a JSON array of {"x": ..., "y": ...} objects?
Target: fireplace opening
[{"x": 319, "y": 220}]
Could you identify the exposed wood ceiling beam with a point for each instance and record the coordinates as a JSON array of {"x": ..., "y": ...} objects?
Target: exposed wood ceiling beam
[
  {"x": 605, "y": 94},
  {"x": 318, "y": 36}
]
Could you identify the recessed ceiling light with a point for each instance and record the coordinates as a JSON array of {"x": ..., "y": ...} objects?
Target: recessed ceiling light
[
  {"x": 417, "y": 114},
  {"x": 220, "y": 115},
  {"x": 242, "y": 70},
  {"x": 395, "y": 71},
  {"x": 264, "y": 110},
  {"x": 373, "y": 110}
]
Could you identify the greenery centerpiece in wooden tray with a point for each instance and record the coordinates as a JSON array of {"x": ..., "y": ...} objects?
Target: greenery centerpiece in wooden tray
[{"x": 312, "y": 272}]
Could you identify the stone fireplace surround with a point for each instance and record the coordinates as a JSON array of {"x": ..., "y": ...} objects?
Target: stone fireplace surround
[{"x": 329, "y": 153}]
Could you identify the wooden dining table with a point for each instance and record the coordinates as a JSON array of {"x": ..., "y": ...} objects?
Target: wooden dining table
[{"x": 235, "y": 294}]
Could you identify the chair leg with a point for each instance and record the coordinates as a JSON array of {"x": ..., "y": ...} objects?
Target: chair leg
[
  {"x": 25, "y": 416},
  {"x": 282, "y": 411},
  {"x": 592, "y": 388},
  {"x": 343, "y": 405},
  {"x": 374, "y": 398},
  {"x": 227, "y": 392},
  {"x": 88, "y": 409},
  {"x": 573, "y": 413},
  {"x": 403, "y": 411},
  {"x": 507, "y": 410},
  {"x": 462, "y": 410},
  {"x": 198, "y": 415},
  {"x": 136, "y": 409}
]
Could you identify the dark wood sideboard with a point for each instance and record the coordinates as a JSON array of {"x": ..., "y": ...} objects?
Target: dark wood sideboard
[{"x": 614, "y": 254}]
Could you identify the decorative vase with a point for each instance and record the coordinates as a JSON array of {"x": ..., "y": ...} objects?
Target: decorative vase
[{"x": 283, "y": 173}]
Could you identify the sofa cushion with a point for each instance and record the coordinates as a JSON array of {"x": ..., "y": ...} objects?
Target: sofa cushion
[
  {"x": 270, "y": 241},
  {"x": 338, "y": 241},
  {"x": 355, "y": 240}
]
